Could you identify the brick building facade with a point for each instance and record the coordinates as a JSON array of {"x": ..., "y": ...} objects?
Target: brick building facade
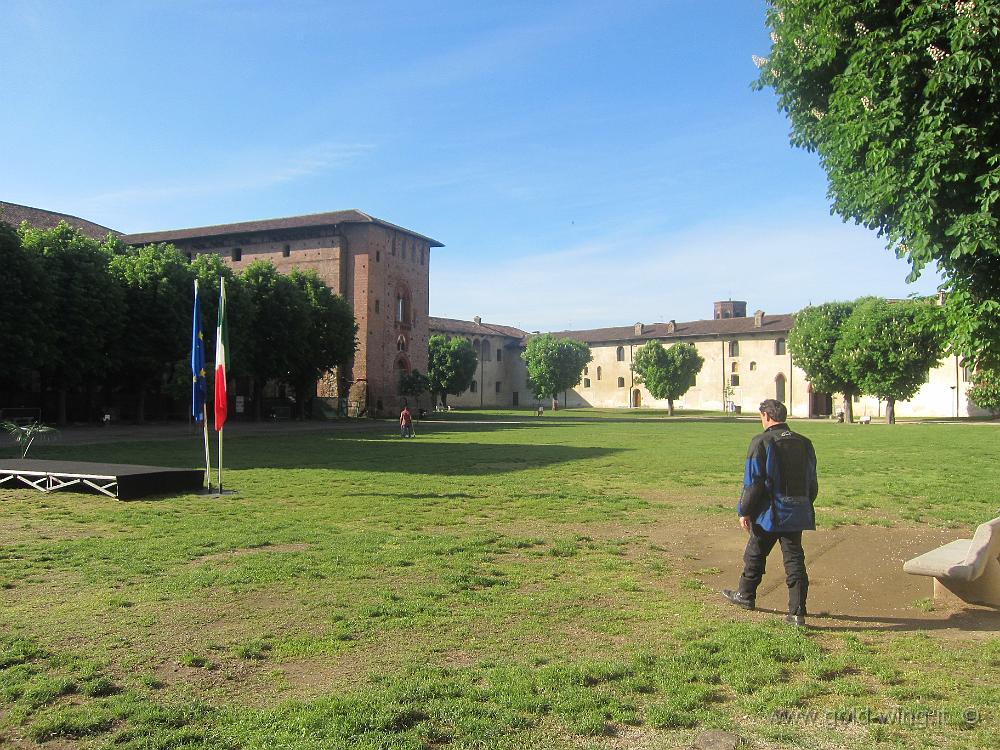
[{"x": 381, "y": 269}]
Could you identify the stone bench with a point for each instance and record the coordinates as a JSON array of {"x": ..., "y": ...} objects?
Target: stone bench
[{"x": 968, "y": 569}]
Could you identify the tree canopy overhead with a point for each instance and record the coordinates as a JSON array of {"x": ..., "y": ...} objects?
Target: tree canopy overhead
[{"x": 901, "y": 100}]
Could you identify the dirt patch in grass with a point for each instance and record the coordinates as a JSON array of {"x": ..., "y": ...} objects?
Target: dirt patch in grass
[
  {"x": 856, "y": 578},
  {"x": 244, "y": 551}
]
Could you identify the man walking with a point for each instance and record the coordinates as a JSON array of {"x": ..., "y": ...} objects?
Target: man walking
[{"x": 775, "y": 507}]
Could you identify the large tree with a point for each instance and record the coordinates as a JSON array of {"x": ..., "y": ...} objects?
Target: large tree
[
  {"x": 84, "y": 316},
  {"x": 278, "y": 325},
  {"x": 554, "y": 364},
  {"x": 901, "y": 100},
  {"x": 157, "y": 283},
  {"x": 667, "y": 373},
  {"x": 24, "y": 297},
  {"x": 985, "y": 390},
  {"x": 887, "y": 348},
  {"x": 812, "y": 343},
  {"x": 451, "y": 365},
  {"x": 414, "y": 384},
  {"x": 331, "y": 336}
]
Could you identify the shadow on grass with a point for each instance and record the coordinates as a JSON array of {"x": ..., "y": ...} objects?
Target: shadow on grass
[
  {"x": 354, "y": 452},
  {"x": 414, "y": 457},
  {"x": 969, "y": 620}
]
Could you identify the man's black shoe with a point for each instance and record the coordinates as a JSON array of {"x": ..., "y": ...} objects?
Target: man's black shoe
[
  {"x": 739, "y": 599},
  {"x": 798, "y": 621}
]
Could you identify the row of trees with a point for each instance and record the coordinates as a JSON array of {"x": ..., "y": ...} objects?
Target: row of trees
[
  {"x": 85, "y": 314},
  {"x": 554, "y": 365},
  {"x": 870, "y": 347}
]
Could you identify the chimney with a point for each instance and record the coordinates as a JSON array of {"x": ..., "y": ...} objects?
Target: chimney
[
  {"x": 477, "y": 320},
  {"x": 758, "y": 319},
  {"x": 671, "y": 326},
  {"x": 638, "y": 329}
]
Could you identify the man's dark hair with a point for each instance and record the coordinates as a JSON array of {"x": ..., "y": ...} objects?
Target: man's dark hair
[{"x": 775, "y": 410}]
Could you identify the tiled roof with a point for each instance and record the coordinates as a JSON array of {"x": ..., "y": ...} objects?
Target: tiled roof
[
  {"x": 351, "y": 216},
  {"x": 691, "y": 329},
  {"x": 15, "y": 213},
  {"x": 471, "y": 328}
]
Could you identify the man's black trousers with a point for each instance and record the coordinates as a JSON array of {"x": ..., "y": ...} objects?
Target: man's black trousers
[{"x": 759, "y": 545}]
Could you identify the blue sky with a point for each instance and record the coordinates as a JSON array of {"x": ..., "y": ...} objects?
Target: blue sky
[{"x": 584, "y": 163}]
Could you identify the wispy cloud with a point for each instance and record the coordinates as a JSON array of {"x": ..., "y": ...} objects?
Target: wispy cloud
[
  {"x": 245, "y": 172},
  {"x": 775, "y": 266}
]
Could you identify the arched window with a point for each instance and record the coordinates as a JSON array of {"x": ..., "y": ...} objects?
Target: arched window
[
  {"x": 735, "y": 367},
  {"x": 620, "y": 354},
  {"x": 621, "y": 382},
  {"x": 753, "y": 366},
  {"x": 598, "y": 373},
  {"x": 734, "y": 348},
  {"x": 779, "y": 387},
  {"x": 401, "y": 343},
  {"x": 402, "y": 364},
  {"x": 487, "y": 350},
  {"x": 586, "y": 371}
]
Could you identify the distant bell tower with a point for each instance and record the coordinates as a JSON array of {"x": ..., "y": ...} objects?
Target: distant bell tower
[{"x": 730, "y": 309}]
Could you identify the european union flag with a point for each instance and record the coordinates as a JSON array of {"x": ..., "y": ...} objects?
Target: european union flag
[{"x": 198, "y": 385}]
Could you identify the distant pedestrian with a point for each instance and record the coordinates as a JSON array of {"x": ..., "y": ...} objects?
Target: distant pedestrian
[
  {"x": 405, "y": 423},
  {"x": 540, "y": 411},
  {"x": 775, "y": 507}
]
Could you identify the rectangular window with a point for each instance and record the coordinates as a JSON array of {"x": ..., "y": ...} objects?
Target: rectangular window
[
  {"x": 376, "y": 305},
  {"x": 621, "y": 382},
  {"x": 378, "y": 256},
  {"x": 499, "y": 355},
  {"x": 734, "y": 380},
  {"x": 779, "y": 346},
  {"x": 236, "y": 254},
  {"x": 734, "y": 348},
  {"x": 586, "y": 382},
  {"x": 499, "y": 386},
  {"x": 286, "y": 251}
]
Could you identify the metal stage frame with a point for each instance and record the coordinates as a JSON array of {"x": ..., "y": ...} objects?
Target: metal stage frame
[{"x": 119, "y": 481}]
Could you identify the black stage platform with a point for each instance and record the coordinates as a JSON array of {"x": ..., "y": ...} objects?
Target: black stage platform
[{"x": 123, "y": 481}]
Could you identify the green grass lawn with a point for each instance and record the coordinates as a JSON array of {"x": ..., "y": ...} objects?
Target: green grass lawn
[{"x": 491, "y": 583}]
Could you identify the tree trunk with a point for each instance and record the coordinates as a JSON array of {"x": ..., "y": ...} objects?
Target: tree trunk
[
  {"x": 258, "y": 400},
  {"x": 849, "y": 408},
  {"x": 444, "y": 400},
  {"x": 555, "y": 402},
  {"x": 61, "y": 407},
  {"x": 300, "y": 401},
  {"x": 670, "y": 407},
  {"x": 890, "y": 411},
  {"x": 140, "y": 405}
]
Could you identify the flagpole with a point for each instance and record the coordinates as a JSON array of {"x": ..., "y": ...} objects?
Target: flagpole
[
  {"x": 208, "y": 455},
  {"x": 220, "y": 461},
  {"x": 221, "y": 371}
]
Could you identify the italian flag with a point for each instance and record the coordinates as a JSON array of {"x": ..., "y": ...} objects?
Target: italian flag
[{"x": 221, "y": 360}]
